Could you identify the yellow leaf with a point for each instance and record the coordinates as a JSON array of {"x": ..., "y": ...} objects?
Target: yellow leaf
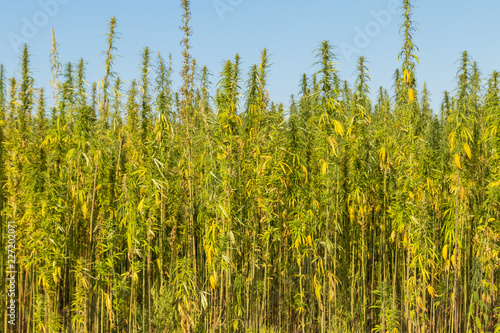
[
  {"x": 213, "y": 282},
  {"x": 431, "y": 291},
  {"x": 338, "y": 128},
  {"x": 352, "y": 214},
  {"x": 209, "y": 255},
  {"x": 139, "y": 207},
  {"x": 445, "y": 252},
  {"x": 382, "y": 153},
  {"x": 467, "y": 151},
  {"x": 309, "y": 240},
  {"x": 493, "y": 184},
  {"x": 109, "y": 303},
  {"x": 297, "y": 243},
  {"x": 406, "y": 76},
  {"x": 84, "y": 210},
  {"x": 420, "y": 303},
  {"x": 315, "y": 204},
  {"x": 323, "y": 168},
  {"x": 298, "y": 262},
  {"x": 457, "y": 161},
  {"x": 411, "y": 94},
  {"x": 332, "y": 144},
  {"x": 56, "y": 274},
  {"x": 235, "y": 325},
  {"x": 283, "y": 168},
  {"x": 317, "y": 291},
  {"x": 305, "y": 170}
]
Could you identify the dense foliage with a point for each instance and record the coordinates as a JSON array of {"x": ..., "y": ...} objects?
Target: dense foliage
[{"x": 151, "y": 210}]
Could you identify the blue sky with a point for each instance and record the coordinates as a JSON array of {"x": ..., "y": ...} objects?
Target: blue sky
[{"x": 291, "y": 30}]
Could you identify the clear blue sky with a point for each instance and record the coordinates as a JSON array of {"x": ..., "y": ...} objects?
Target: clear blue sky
[{"x": 290, "y": 29}]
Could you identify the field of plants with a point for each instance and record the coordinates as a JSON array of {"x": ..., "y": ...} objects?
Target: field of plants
[{"x": 140, "y": 207}]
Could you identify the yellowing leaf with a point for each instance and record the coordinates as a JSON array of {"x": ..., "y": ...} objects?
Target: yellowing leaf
[
  {"x": 411, "y": 94},
  {"x": 309, "y": 240},
  {"x": 282, "y": 167},
  {"x": 213, "y": 282},
  {"x": 108, "y": 301},
  {"x": 431, "y": 291},
  {"x": 84, "y": 210},
  {"x": 406, "y": 76},
  {"x": 382, "y": 153},
  {"x": 209, "y": 255},
  {"x": 493, "y": 184},
  {"x": 305, "y": 170},
  {"x": 315, "y": 204},
  {"x": 235, "y": 325},
  {"x": 297, "y": 243},
  {"x": 457, "y": 161},
  {"x": 332, "y": 144},
  {"x": 323, "y": 168},
  {"x": 338, "y": 128},
  {"x": 56, "y": 274},
  {"x": 317, "y": 291},
  {"x": 467, "y": 151},
  {"x": 141, "y": 204},
  {"x": 445, "y": 252},
  {"x": 420, "y": 303},
  {"x": 352, "y": 214}
]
